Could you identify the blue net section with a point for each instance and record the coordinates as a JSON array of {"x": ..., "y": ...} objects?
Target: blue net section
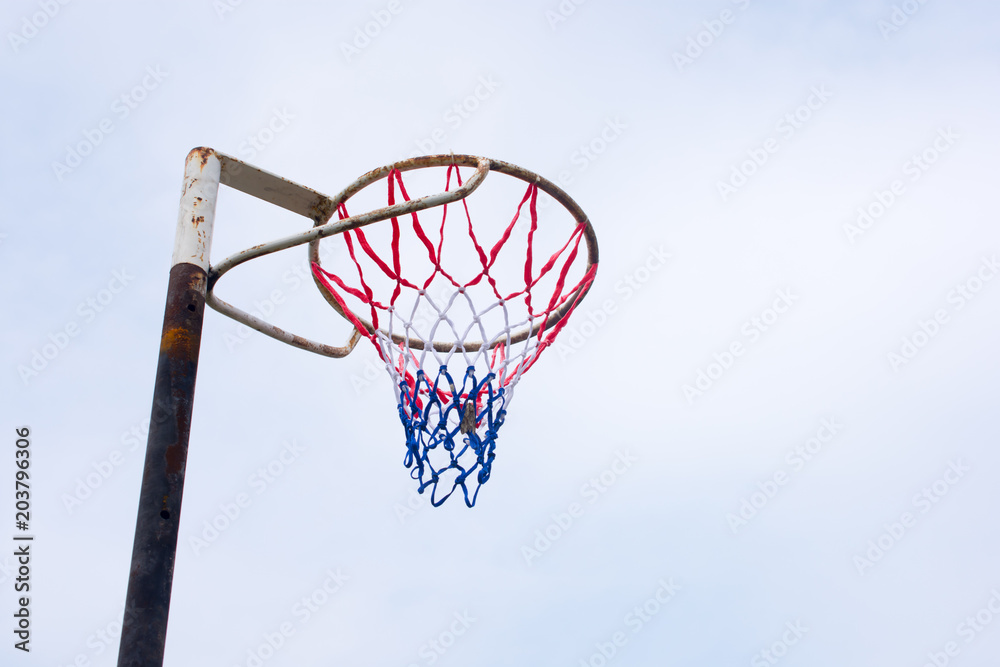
[{"x": 451, "y": 431}]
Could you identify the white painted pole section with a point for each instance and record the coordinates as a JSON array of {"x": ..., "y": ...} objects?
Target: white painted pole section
[{"x": 193, "y": 242}]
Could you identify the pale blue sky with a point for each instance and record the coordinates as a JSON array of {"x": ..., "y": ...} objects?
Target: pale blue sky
[{"x": 337, "y": 514}]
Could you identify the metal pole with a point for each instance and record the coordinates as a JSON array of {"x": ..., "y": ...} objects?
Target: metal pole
[{"x": 147, "y": 601}]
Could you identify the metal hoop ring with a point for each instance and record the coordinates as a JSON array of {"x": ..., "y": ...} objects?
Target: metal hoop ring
[{"x": 429, "y": 161}]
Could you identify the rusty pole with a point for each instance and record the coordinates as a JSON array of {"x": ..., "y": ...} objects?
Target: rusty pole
[{"x": 147, "y": 601}]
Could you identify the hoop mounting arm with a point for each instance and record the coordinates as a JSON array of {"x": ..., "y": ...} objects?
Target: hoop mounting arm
[{"x": 205, "y": 170}]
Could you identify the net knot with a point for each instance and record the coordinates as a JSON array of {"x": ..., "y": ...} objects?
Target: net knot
[{"x": 451, "y": 431}]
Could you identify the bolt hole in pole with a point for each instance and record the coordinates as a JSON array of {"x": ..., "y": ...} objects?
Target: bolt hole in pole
[{"x": 192, "y": 307}]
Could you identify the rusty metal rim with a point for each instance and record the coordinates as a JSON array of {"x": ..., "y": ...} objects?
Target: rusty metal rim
[
  {"x": 323, "y": 210},
  {"x": 444, "y": 160},
  {"x": 323, "y": 228}
]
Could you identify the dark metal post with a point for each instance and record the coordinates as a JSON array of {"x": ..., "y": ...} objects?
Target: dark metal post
[{"x": 148, "y": 599}]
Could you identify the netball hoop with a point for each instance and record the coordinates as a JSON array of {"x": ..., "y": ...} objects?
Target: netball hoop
[{"x": 457, "y": 311}]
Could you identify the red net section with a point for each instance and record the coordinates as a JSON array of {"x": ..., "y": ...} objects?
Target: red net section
[{"x": 453, "y": 395}]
